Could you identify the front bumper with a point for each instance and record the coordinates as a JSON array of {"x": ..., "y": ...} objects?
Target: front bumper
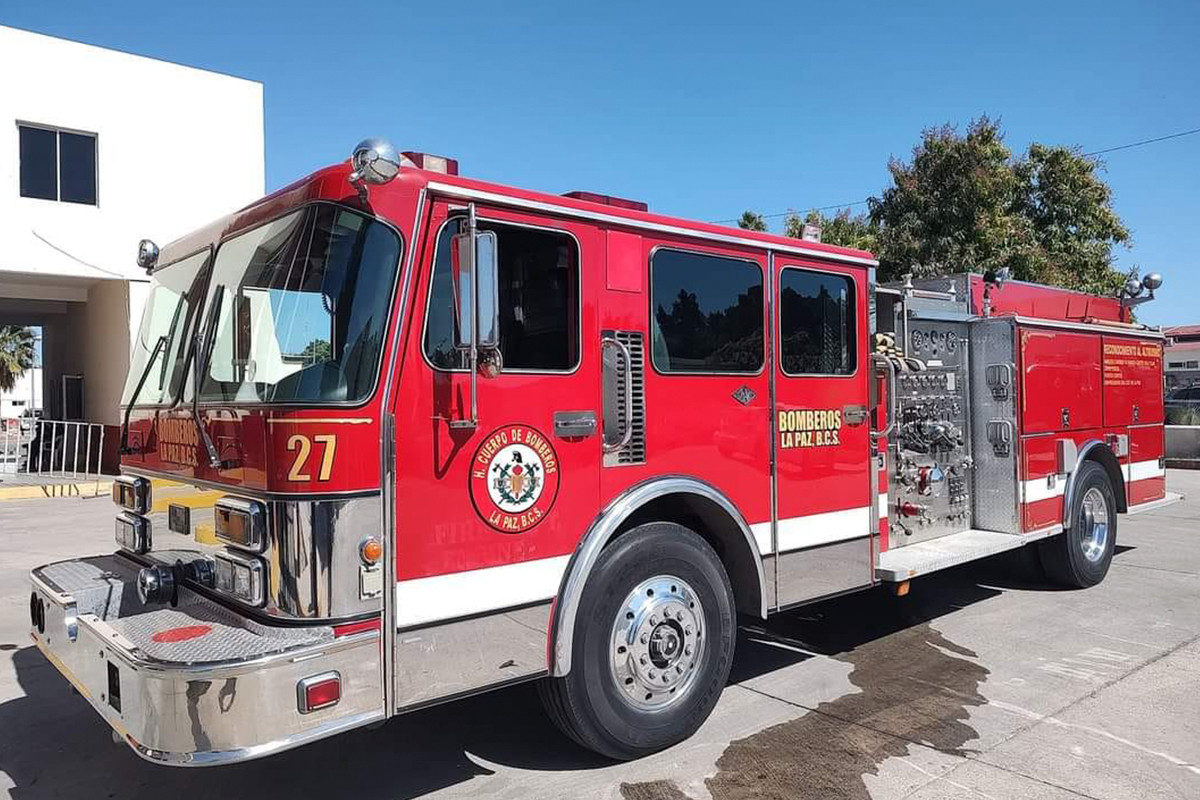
[{"x": 195, "y": 684}]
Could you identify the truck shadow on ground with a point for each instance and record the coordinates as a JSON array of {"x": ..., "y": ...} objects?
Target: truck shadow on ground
[{"x": 915, "y": 686}]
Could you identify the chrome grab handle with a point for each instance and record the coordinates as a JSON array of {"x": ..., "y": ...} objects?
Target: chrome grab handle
[
  {"x": 891, "y": 390},
  {"x": 627, "y": 434}
]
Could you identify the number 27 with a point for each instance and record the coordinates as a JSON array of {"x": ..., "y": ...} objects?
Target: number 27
[{"x": 301, "y": 445}]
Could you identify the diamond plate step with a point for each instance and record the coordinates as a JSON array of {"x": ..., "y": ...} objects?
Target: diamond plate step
[{"x": 911, "y": 561}]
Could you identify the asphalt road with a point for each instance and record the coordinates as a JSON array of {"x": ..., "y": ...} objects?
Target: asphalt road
[{"x": 982, "y": 683}]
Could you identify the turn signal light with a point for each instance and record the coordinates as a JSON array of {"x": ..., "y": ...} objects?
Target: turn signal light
[
  {"x": 318, "y": 691},
  {"x": 131, "y": 493},
  {"x": 371, "y": 550},
  {"x": 242, "y": 523}
]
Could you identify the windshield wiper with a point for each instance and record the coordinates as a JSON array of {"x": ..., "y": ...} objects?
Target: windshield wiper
[
  {"x": 200, "y": 356},
  {"x": 159, "y": 346}
]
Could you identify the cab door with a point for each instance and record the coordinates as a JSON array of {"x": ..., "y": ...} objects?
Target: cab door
[
  {"x": 823, "y": 482},
  {"x": 488, "y": 511}
]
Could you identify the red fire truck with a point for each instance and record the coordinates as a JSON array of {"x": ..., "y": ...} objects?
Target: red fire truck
[{"x": 394, "y": 436}]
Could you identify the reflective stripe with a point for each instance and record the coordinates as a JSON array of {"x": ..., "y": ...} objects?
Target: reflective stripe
[
  {"x": 1141, "y": 470},
  {"x": 883, "y": 505},
  {"x": 459, "y": 594},
  {"x": 813, "y": 529},
  {"x": 1038, "y": 489}
]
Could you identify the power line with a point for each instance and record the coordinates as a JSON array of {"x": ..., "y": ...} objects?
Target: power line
[
  {"x": 1144, "y": 141},
  {"x": 1141, "y": 143}
]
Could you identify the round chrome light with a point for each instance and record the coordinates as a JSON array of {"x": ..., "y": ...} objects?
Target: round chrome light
[
  {"x": 1152, "y": 280},
  {"x": 374, "y": 161}
]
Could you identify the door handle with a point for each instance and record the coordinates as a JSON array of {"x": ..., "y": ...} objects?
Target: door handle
[
  {"x": 568, "y": 424},
  {"x": 854, "y": 414}
]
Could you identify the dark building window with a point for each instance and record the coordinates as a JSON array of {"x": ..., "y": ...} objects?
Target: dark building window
[
  {"x": 707, "y": 313},
  {"x": 539, "y": 300},
  {"x": 58, "y": 165},
  {"x": 816, "y": 323}
]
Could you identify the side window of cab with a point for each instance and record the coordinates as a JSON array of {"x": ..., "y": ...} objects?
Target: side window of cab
[{"x": 539, "y": 300}]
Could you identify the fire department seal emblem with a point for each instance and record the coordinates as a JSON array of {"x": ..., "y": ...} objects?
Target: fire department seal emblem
[{"x": 514, "y": 478}]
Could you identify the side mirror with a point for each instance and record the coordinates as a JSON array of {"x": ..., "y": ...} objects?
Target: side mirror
[{"x": 475, "y": 269}]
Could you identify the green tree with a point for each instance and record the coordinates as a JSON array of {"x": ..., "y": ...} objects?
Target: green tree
[
  {"x": 843, "y": 228},
  {"x": 752, "y": 222},
  {"x": 964, "y": 202},
  {"x": 317, "y": 351},
  {"x": 16, "y": 355}
]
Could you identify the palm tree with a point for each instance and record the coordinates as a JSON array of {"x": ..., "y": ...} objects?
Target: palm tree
[{"x": 16, "y": 355}]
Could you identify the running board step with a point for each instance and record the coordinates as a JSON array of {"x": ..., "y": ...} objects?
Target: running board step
[{"x": 911, "y": 561}]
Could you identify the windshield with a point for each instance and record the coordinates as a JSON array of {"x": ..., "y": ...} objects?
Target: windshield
[
  {"x": 304, "y": 309},
  {"x": 167, "y": 313}
]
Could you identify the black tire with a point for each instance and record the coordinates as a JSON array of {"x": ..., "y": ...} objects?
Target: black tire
[
  {"x": 1066, "y": 556},
  {"x": 596, "y": 707}
]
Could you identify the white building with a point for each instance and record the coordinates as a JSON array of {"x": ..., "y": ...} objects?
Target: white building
[{"x": 99, "y": 149}]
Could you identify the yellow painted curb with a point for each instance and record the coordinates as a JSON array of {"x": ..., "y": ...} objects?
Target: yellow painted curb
[{"x": 83, "y": 489}]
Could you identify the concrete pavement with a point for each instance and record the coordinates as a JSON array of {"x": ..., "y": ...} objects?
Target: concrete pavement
[{"x": 983, "y": 683}]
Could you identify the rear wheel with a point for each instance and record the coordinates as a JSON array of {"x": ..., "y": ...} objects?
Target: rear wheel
[
  {"x": 652, "y": 646},
  {"x": 1081, "y": 555}
]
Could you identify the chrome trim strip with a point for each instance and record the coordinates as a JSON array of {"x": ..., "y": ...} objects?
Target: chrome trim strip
[
  {"x": 330, "y": 420},
  {"x": 1069, "y": 488},
  {"x": 387, "y": 471},
  {"x": 1089, "y": 327},
  {"x": 464, "y": 193},
  {"x": 602, "y": 529},
  {"x": 773, "y": 468},
  {"x": 214, "y": 758},
  {"x": 247, "y": 491}
]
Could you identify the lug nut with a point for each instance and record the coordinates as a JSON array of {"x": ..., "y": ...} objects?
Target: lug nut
[
  {"x": 645, "y": 638},
  {"x": 654, "y": 620},
  {"x": 642, "y": 660},
  {"x": 653, "y": 675}
]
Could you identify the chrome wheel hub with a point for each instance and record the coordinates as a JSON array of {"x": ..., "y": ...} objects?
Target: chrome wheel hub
[
  {"x": 1093, "y": 524},
  {"x": 656, "y": 642}
]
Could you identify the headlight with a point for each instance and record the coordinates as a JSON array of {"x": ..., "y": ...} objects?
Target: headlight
[
  {"x": 242, "y": 523},
  {"x": 132, "y": 493},
  {"x": 239, "y": 576},
  {"x": 133, "y": 533}
]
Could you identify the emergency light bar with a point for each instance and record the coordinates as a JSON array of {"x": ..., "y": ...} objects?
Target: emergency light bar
[
  {"x": 430, "y": 162},
  {"x": 608, "y": 200}
]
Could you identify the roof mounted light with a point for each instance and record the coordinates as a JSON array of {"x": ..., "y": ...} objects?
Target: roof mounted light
[
  {"x": 374, "y": 161},
  {"x": 147, "y": 255},
  {"x": 430, "y": 162},
  {"x": 608, "y": 200},
  {"x": 1131, "y": 294}
]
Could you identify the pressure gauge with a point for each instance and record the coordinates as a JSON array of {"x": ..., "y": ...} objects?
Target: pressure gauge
[
  {"x": 918, "y": 341},
  {"x": 952, "y": 341}
]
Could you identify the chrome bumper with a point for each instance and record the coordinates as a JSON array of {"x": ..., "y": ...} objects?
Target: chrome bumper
[{"x": 194, "y": 684}]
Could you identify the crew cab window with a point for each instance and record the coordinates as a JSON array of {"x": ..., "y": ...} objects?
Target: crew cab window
[
  {"x": 707, "y": 313},
  {"x": 816, "y": 323},
  {"x": 539, "y": 300}
]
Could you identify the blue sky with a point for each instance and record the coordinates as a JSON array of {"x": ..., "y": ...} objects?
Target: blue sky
[{"x": 705, "y": 109}]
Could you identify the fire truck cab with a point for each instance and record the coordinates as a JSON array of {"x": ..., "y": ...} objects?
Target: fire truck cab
[{"x": 394, "y": 436}]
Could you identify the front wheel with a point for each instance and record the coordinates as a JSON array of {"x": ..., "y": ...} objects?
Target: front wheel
[
  {"x": 653, "y": 644},
  {"x": 1080, "y": 556}
]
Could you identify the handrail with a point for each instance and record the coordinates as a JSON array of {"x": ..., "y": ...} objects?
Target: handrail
[{"x": 627, "y": 434}]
